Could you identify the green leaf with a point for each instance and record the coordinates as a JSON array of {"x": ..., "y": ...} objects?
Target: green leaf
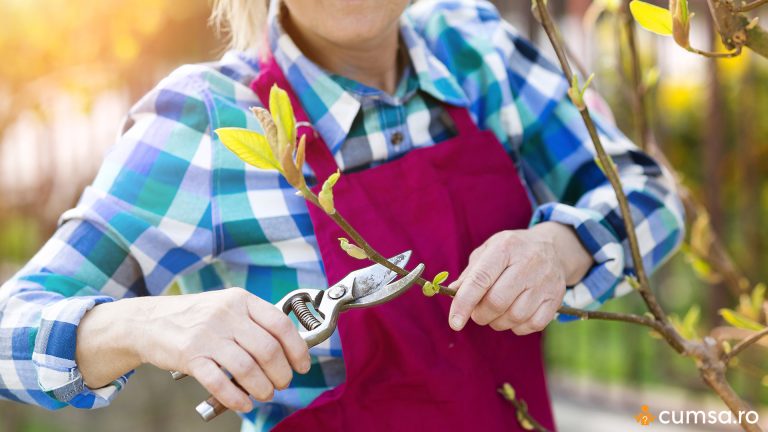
[
  {"x": 758, "y": 298},
  {"x": 739, "y": 320},
  {"x": 429, "y": 289},
  {"x": 727, "y": 347},
  {"x": 282, "y": 114},
  {"x": 440, "y": 278},
  {"x": 522, "y": 418},
  {"x": 691, "y": 319},
  {"x": 687, "y": 326},
  {"x": 632, "y": 281},
  {"x": 326, "y": 193},
  {"x": 681, "y": 11},
  {"x": 252, "y": 147},
  {"x": 507, "y": 391},
  {"x": 352, "y": 250},
  {"x": 652, "y": 18}
]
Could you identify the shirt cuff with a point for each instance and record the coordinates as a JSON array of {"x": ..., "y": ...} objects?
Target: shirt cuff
[
  {"x": 605, "y": 279},
  {"x": 54, "y": 355}
]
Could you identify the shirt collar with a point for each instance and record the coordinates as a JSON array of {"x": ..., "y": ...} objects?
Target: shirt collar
[{"x": 331, "y": 107}]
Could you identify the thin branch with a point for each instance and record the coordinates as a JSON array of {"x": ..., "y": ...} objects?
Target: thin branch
[
  {"x": 711, "y": 367},
  {"x": 730, "y": 54},
  {"x": 638, "y": 86},
  {"x": 717, "y": 255},
  {"x": 744, "y": 344},
  {"x": 746, "y": 7},
  {"x": 359, "y": 240},
  {"x": 610, "y": 171},
  {"x": 612, "y": 316},
  {"x": 522, "y": 410}
]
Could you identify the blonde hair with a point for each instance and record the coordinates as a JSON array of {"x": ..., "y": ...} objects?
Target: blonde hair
[{"x": 242, "y": 21}]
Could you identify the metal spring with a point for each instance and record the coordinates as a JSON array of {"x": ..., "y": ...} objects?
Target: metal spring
[{"x": 305, "y": 316}]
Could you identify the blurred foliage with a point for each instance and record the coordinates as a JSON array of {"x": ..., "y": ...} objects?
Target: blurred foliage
[{"x": 87, "y": 47}]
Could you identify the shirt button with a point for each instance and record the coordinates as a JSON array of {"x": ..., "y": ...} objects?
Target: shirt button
[{"x": 396, "y": 138}]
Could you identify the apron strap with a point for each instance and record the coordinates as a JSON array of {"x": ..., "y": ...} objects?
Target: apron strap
[
  {"x": 461, "y": 119},
  {"x": 318, "y": 155}
]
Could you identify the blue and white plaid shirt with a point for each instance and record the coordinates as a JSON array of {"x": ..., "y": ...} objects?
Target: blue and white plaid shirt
[{"x": 171, "y": 204}]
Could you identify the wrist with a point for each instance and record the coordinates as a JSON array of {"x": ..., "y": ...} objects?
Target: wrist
[
  {"x": 574, "y": 260},
  {"x": 107, "y": 343}
]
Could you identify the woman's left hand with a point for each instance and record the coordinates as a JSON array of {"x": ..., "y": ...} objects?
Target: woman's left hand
[{"x": 516, "y": 280}]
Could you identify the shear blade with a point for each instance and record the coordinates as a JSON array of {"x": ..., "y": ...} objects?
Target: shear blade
[
  {"x": 377, "y": 276},
  {"x": 389, "y": 291}
]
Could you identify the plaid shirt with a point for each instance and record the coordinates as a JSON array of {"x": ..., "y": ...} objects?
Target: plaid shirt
[{"x": 171, "y": 204}]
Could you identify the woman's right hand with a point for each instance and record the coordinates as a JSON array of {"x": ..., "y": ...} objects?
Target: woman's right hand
[{"x": 198, "y": 334}]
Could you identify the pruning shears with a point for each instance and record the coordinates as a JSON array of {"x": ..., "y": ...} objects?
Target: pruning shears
[{"x": 362, "y": 288}]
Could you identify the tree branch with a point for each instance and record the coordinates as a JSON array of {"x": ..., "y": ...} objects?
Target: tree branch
[
  {"x": 706, "y": 352},
  {"x": 744, "y": 344},
  {"x": 610, "y": 171},
  {"x": 750, "y": 6},
  {"x": 612, "y": 316},
  {"x": 737, "y": 29}
]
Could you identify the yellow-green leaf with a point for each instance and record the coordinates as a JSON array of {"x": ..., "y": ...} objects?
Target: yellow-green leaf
[
  {"x": 758, "y": 298},
  {"x": 523, "y": 420},
  {"x": 507, "y": 391},
  {"x": 352, "y": 250},
  {"x": 326, "y": 193},
  {"x": 252, "y": 147},
  {"x": 282, "y": 114},
  {"x": 440, "y": 278},
  {"x": 632, "y": 281},
  {"x": 726, "y": 347},
  {"x": 739, "y": 320},
  {"x": 652, "y": 18},
  {"x": 429, "y": 289}
]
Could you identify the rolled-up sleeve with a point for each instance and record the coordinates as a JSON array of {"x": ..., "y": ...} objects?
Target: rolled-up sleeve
[
  {"x": 560, "y": 158},
  {"x": 143, "y": 222}
]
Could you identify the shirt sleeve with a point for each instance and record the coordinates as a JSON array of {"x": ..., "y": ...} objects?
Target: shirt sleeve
[
  {"x": 557, "y": 158},
  {"x": 144, "y": 221}
]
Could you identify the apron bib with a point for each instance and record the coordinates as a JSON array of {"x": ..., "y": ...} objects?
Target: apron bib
[{"x": 406, "y": 369}]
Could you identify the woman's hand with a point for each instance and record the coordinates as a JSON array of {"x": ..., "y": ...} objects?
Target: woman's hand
[
  {"x": 197, "y": 334},
  {"x": 516, "y": 280}
]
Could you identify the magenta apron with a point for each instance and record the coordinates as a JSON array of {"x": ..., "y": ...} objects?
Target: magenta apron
[{"x": 406, "y": 369}]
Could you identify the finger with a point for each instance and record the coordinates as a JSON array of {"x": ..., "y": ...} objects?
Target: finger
[
  {"x": 539, "y": 320},
  {"x": 281, "y": 328},
  {"x": 218, "y": 384},
  {"x": 246, "y": 371},
  {"x": 472, "y": 259},
  {"x": 503, "y": 322},
  {"x": 476, "y": 284},
  {"x": 499, "y": 298},
  {"x": 268, "y": 353},
  {"x": 524, "y": 306}
]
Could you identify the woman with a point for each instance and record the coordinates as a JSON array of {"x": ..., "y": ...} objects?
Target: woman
[{"x": 457, "y": 140}]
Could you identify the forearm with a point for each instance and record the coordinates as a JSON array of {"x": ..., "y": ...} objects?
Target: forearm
[{"x": 107, "y": 340}]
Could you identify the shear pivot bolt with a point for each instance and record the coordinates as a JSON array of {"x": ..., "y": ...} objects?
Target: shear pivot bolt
[{"x": 337, "y": 292}]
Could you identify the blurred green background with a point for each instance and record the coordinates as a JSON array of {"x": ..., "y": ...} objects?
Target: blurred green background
[{"x": 72, "y": 68}]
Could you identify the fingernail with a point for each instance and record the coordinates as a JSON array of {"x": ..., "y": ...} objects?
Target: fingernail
[
  {"x": 305, "y": 367},
  {"x": 457, "y": 322}
]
